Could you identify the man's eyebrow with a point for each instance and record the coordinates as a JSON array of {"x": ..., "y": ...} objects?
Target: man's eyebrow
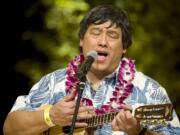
[{"x": 95, "y": 28}]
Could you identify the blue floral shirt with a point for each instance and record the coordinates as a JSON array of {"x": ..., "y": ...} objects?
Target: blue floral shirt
[{"x": 51, "y": 88}]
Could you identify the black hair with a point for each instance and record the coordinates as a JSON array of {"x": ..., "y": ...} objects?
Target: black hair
[{"x": 104, "y": 13}]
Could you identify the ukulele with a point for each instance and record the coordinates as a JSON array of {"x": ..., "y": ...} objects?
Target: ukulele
[{"x": 147, "y": 114}]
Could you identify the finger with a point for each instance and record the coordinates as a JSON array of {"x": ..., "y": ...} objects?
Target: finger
[
  {"x": 126, "y": 107},
  {"x": 81, "y": 124},
  {"x": 70, "y": 96},
  {"x": 120, "y": 120},
  {"x": 86, "y": 109},
  {"x": 114, "y": 125},
  {"x": 92, "y": 112},
  {"x": 130, "y": 119},
  {"x": 68, "y": 124},
  {"x": 128, "y": 115},
  {"x": 69, "y": 104},
  {"x": 80, "y": 116},
  {"x": 121, "y": 116},
  {"x": 84, "y": 116},
  {"x": 68, "y": 112},
  {"x": 81, "y": 104}
]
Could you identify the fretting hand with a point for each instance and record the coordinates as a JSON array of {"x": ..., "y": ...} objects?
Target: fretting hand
[
  {"x": 62, "y": 112},
  {"x": 124, "y": 121}
]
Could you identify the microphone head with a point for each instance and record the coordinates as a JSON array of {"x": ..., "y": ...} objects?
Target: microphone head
[{"x": 92, "y": 53}]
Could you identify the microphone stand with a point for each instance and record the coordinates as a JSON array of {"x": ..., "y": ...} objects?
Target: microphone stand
[{"x": 80, "y": 89}]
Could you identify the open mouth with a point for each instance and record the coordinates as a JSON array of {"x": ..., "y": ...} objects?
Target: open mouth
[{"x": 102, "y": 54}]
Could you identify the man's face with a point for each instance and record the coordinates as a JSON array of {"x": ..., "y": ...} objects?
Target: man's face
[{"x": 107, "y": 41}]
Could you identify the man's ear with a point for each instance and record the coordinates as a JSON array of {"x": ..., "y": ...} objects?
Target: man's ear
[
  {"x": 124, "y": 51},
  {"x": 81, "y": 43}
]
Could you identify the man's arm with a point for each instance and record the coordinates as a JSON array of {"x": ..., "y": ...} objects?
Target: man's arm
[
  {"x": 33, "y": 123},
  {"x": 24, "y": 123}
]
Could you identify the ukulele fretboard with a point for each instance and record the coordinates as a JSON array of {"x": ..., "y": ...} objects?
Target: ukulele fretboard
[{"x": 100, "y": 119}]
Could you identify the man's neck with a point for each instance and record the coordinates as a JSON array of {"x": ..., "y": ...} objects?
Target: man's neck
[{"x": 96, "y": 78}]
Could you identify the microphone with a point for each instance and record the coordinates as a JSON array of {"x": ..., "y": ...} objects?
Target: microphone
[
  {"x": 86, "y": 65},
  {"x": 81, "y": 74}
]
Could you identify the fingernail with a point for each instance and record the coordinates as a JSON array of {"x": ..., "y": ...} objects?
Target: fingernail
[{"x": 91, "y": 107}]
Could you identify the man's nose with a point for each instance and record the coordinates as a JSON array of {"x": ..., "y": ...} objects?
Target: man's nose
[{"x": 103, "y": 40}]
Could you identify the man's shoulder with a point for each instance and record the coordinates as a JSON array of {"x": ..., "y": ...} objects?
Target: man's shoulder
[
  {"x": 60, "y": 72},
  {"x": 143, "y": 76},
  {"x": 58, "y": 75},
  {"x": 142, "y": 79},
  {"x": 54, "y": 77}
]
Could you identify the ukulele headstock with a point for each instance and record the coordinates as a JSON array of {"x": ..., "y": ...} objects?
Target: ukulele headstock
[{"x": 156, "y": 114}]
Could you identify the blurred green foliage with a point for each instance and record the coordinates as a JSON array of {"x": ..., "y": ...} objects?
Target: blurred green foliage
[{"x": 155, "y": 48}]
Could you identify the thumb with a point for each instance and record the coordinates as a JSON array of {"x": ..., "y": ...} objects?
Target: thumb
[
  {"x": 70, "y": 96},
  {"x": 126, "y": 107}
]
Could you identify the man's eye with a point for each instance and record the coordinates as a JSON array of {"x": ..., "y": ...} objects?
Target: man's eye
[
  {"x": 113, "y": 35},
  {"x": 95, "y": 32}
]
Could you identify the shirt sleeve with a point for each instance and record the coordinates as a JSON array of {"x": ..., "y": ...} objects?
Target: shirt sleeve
[
  {"x": 38, "y": 94},
  {"x": 158, "y": 95},
  {"x": 148, "y": 91},
  {"x": 41, "y": 93}
]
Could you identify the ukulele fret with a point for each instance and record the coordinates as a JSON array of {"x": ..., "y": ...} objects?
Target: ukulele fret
[
  {"x": 106, "y": 120},
  {"x": 99, "y": 119},
  {"x": 89, "y": 122},
  {"x": 103, "y": 118},
  {"x": 95, "y": 121},
  {"x": 109, "y": 117}
]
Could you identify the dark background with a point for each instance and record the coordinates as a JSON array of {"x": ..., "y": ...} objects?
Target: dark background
[{"x": 13, "y": 23}]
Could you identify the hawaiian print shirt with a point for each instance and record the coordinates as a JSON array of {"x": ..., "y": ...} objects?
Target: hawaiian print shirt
[{"x": 51, "y": 88}]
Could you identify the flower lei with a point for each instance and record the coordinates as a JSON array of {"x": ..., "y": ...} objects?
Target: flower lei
[{"x": 122, "y": 89}]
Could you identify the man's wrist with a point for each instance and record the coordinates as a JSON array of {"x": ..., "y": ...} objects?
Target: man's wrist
[{"x": 47, "y": 118}]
